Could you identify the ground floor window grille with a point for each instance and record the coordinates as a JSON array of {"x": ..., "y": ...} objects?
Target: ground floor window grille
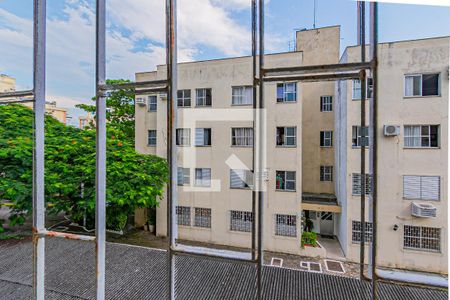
[
  {"x": 356, "y": 232},
  {"x": 241, "y": 221},
  {"x": 422, "y": 238},
  {"x": 286, "y": 225},
  {"x": 183, "y": 215},
  {"x": 202, "y": 217}
]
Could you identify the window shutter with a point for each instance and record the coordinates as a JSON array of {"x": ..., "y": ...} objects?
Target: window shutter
[
  {"x": 206, "y": 177},
  {"x": 411, "y": 187},
  {"x": 430, "y": 187},
  {"x": 180, "y": 175},
  {"x": 199, "y": 137}
]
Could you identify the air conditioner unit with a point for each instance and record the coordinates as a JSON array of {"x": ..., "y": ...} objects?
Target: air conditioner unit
[
  {"x": 140, "y": 101},
  {"x": 391, "y": 130},
  {"x": 423, "y": 210},
  {"x": 163, "y": 96}
]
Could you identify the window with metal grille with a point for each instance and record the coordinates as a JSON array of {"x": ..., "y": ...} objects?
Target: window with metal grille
[
  {"x": 183, "y": 215},
  {"x": 203, "y": 137},
  {"x": 242, "y": 95},
  {"x": 242, "y": 137},
  {"x": 184, "y": 98},
  {"x": 326, "y": 138},
  {"x": 286, "y": 225},
  {"x": 360, "y": 136},
  {"x": 420, "y": 85},
  {"x": 241, "y": 221},
  {"x": 286, "y": 136},
  {"x": 326, "y": 173},
  {"x": 152, "y": 137},
  {"x": 204, "y": 97},
  {"x": 326, "y": 103},
  {"x": 285, "y": 181},
  {"x": 152, "y": 103},
  {"x": 287, "y": 92},
  {"x": 356, "y": 183},
  {"x": 422, "y": 238},
  {"x": 184, "y": 176},
  {"x": 421, "y": 187},
  {"x": 241, "y": 179},
  {"x": 202, "y": 217},
  {"x": 203, "y": 177},
  {"x": 421, "y": 136},
  {"x": 356, "y": 232},
  {"x": 183, "y": 137}
]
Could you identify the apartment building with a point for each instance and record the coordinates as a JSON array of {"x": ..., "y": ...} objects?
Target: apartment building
[
  {"x": 313, "y": 155},
  {"x": 412, "y": 157}
]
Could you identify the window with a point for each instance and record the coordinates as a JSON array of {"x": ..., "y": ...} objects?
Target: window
[
  {"x": 422, "y": 85},
  {"x": 203, "y": 177},
  {"x": 356, "y": 232},
  {"x": 183, "y": 215},
  {"x": 203, "y": 137},
  {"x": 286, "y": 225},
  {"x": 287, "y": 92},
  {"x": 152, "y": 137},
  {"x": 241, "y": 179},
  {"x": 326, "y": 103},
  {"x": 202, "y": 217},
  {"x": 326, "y": 173},
  {"x": 286, "y": 136},
  {"x": 204, "y": 97},
  {"x": 184, "y": 176},
  {"x": 369, "y": 88},
  {"x": 421, "y": 187},
  {"x": 356, "y": 184},
  {"x": 360, "y": 136},
  {"x": 152, "y": 103},
  {"x": 242, "y": 136},
  {"x": 326, "y": 138},
  {"x": 421, "y": 136},
  {"x": 422, "y": 238},
  {"x": 356, "y": 90},
  {"x": 285, "y": 180},
  {"x": 241, "y": 221},
  {"x": 184, "y": 98},
  {"x": 242, "y": 95},
  {"x": 183, "y": 137}
]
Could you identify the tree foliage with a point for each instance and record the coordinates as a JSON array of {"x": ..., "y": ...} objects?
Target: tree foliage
[
  {"x": 133, "y": 180},
  {"x": 120, "y": 109}
]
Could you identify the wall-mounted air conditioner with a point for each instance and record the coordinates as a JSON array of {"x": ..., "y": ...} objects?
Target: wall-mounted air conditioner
[
  {"x": 423, "y": 210},
  {"x": 140, "y": 101},
  {"x": 391, "y": 130}
]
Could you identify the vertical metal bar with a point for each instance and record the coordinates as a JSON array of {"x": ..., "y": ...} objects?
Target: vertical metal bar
[
  {"x": 254, "y": 82},
  {"x": 260, "y": 152},
  {"x": 362, "y": 44},
  {"x": 171, "y": 62},
  {"x": 373, "y": 144},
  {"x": 100, "y": 178},
  {"x": 39, "y": 149}
]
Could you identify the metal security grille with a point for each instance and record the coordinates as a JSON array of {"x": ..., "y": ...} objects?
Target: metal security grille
[
  {"x": 286, "y": 225},
  {"x": 202, "y": 217},
  {"x": 356, "y": 232},
  {"x": 241, "y": 221},
  {"x": 183, "y": 215},
  {"x": 356, "y": 184},
  {"x": 422, "y": 238}
]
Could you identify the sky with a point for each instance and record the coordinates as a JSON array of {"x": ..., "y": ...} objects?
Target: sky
[{"x": 207, "y": 29}]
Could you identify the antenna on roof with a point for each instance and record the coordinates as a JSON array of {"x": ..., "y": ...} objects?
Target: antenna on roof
[{"x": 314, "y": 24}]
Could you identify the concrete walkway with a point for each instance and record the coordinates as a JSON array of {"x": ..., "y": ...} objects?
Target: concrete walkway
[{"x": 333, "y": 248}]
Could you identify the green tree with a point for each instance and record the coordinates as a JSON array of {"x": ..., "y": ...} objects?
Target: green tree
[
  {"x": 133, "y": 180},
  {"x": 120, "y": 109}
]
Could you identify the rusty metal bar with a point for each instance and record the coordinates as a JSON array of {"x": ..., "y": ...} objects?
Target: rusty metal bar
[
  {"x": 16, "y": 94},
  {"x": 65, "y": 235},
  {"x": 313, "y": 78},
  {"x": 15, "y": 100},
  {"x": 133, "y": 85},
  {"x": 254, "y": 99},
  {"x": 39, "y": 148},
  {"x": 314, "y": 69},
  {"x": 228, "y": 258},
  {"x": 100, "y": 172},
  {"x": 152, "y": 90}
]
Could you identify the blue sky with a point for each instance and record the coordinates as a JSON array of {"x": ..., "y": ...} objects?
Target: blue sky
[{"x": 208, "y": 29}]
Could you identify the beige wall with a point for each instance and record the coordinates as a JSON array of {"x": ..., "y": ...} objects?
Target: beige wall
[{"x": 396, "y": 60}]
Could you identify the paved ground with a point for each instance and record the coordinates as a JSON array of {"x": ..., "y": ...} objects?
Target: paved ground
[{"x": 141, "y": 273}]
